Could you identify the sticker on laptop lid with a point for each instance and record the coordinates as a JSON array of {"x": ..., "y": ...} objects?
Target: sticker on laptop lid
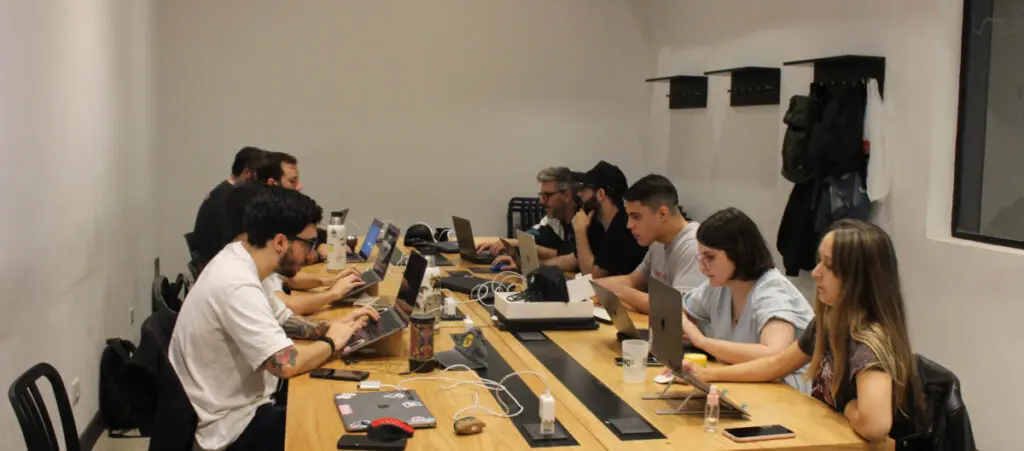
[
  {"x": 421, "y": 420},
  {"x": 395, "y": 395},
  {"x": 345, "y": 409},
  {"x": 362, "y": 424},
  {"x": 345, "y": 396},
  {"x": 411, "y": 404}
]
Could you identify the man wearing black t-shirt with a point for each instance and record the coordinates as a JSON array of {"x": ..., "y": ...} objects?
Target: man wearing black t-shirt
[
  {"x": 604, "y": 245},
  {"x": 210, "y": 230}
]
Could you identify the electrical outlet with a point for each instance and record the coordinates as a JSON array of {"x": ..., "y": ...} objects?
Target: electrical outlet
[
  {"x": 131, "y": 316},
  {"x": 76, "y": 391}
]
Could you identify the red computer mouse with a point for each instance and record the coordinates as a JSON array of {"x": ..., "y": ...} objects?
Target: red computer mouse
[{"x": 388, "y": 429}]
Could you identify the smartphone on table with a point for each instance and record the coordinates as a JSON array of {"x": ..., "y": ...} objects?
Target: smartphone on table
[
  {"x": 339, "y": 375},
  {"x": 758, "y": 433}
]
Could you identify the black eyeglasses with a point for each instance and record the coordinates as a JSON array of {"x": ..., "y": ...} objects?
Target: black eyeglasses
[{"x": 310, "y": 242}]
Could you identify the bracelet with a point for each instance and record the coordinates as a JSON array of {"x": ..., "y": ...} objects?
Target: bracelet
[{"x": 329, "y": 341}]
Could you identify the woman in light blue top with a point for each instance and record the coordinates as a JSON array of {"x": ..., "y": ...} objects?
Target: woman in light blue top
[{"x": 746, "y": 309}]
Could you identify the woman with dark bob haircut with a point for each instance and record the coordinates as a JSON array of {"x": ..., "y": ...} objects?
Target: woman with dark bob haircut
[{"x": 746, "y": 309}]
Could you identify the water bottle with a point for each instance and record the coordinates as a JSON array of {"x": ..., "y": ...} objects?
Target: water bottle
[
  {"x": 336, "y": 243},
  {"x": 711, "y": 411}
]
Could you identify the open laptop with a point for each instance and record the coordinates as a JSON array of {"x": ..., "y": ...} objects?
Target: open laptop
[
  {"x": 667, "y": 334},
  {"x": 528, "y": 259},
  {"x": 412, "y": 280},
  {"x": 619, "y": 315},
  {"x": 371, "y": 239},
  {"x": 358, "y": 410},
  {"x": 391, "y": 321},
  {"x": 376, "y": 274},
  {"x": 467, "y": 245}
]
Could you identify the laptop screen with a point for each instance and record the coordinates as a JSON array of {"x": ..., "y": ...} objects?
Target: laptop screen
[
  {"x": 385, "y": 248},
  {"x": 413, "y": 279},
  {"x": 371, "y": 238}
]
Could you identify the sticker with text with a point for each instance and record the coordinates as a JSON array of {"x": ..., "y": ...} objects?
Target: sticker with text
[{"x": 411, "y": 404}]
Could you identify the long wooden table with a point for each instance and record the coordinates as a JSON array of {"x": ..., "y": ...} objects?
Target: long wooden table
[{"x": 314, "y": 422}]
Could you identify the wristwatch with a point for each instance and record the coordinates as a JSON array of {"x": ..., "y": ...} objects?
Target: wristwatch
[{"x": 329, "y": 341}]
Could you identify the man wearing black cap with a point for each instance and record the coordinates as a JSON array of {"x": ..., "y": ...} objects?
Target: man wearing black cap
[{"x": 604, "y": 245}]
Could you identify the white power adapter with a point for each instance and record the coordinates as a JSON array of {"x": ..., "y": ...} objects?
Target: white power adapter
[
  {"x": 449, "y": 306},
  {"x": 468, "y": 322},
  {"x": 369, "y": 385},
  {"x": 547, "y": 413}
]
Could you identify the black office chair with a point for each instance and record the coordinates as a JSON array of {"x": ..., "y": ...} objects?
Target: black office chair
[
  {"x": 527, "y": 210},
  {"x": 196, "y": 262},
  {"x": 33, "y": 415}
]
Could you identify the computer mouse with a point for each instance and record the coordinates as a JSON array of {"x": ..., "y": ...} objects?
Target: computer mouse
[
  {"x": 498, "y": 268},
  {"x": 388, "y": 429}
]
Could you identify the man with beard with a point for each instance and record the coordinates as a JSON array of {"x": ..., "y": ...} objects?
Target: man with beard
[
  {"x": 554, "y": 234},
  {"x": 230, "y": 346},
  {"x": 604, "y": 245}
]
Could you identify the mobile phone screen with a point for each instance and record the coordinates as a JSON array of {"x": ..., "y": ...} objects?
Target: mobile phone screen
[{"x": 758, "y": 431}]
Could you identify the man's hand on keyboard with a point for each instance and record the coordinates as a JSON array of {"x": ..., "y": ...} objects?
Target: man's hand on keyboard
[
  {"x": 341, "y": 331},
  {"x": 331, "y": 279},
  {"x": 362, "y": 312},
  {"x": 346, "y": 284}
]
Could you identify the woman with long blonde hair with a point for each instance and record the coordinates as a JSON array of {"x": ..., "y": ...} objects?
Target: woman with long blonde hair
[{"x": 861, "y": 363}]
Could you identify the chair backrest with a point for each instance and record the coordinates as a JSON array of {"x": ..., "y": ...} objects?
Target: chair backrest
[
  {"x": 527, "y": 210},
  {"x": 32, "y": 414},
  {"x": 197, "y": 261},
  {"x": 190, "y": 241}
]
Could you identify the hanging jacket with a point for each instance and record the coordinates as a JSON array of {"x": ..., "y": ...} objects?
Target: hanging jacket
[
  {"x": 158, "y": 401},
  {"x": 803, "y": 113},
  {"x": 797, "y": 240},
  {"x": 842, "y": 197},
  {"x": 950, "y": 425},
  {"x": 836, "y": 145},
  {"x": 879, "y": 179}
]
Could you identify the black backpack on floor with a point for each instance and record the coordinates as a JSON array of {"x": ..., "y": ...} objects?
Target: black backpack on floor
[{"x": 114, "y": 407}]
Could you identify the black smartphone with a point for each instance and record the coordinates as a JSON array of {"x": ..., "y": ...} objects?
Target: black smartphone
[
  {"x": 651, "y": 361},
  {"x": 339, "y": 375},
  {"x": 758, "y": 433},
  {"x": 364, "y": 442}
]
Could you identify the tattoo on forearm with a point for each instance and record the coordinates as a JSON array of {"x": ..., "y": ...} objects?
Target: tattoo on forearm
[
  {"x": 299, "y": 328},
  {"x": 284, "y": 358}
]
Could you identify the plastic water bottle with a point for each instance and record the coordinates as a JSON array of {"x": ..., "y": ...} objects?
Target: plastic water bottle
[
  {"x": 336, "y": 243},
  {"x": 711, "y": 411}
]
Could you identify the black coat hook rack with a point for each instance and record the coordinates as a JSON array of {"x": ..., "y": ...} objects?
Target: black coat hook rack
[
  {"x": 685, "y": 91},
  {"x": 752, "y": 85},
  {"x": 846, "y": 70}
]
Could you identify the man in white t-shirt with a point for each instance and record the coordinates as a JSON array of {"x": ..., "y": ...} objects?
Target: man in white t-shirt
[
  {"x": 229, "y": 347},
  {"x": 656, "y": 221}
]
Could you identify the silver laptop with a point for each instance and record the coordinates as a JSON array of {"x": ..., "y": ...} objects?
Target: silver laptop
[
  {"x": 385, "y": 247},
  {"x": 528, "y": 259},
  {"x": 667, "y": 336},
  {"x": 467, "y": 245},
  {"x": 358, "y": 410},
  {"x": 618, "y": 314}
]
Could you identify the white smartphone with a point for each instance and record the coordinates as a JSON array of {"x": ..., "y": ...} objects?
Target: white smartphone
[{"x": 758, "y": 433}]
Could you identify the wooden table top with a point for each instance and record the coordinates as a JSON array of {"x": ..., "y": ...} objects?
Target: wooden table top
[{"x": 314, "y": 422}]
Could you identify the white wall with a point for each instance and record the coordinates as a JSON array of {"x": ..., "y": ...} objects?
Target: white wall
[
  {"x": 963, "y": 297},
  {"x": 404, "y": 110},
  {"x": 75, "y": 131}
]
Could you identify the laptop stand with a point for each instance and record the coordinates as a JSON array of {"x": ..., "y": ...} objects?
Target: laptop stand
[{"x": 686, "y": 397}]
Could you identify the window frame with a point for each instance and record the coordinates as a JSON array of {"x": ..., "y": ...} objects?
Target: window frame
[{"x": 969, "y": 161}]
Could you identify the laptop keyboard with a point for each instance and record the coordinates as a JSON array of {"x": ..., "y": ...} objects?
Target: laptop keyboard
[
  {"x": 370, "y": 277},
  {"x": 389, "y": 322}
]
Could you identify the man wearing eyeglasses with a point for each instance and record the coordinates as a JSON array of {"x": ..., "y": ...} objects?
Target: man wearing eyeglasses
[
  {"x": 229, "y": 346},
  {"x": 299, "y": 302},
  {"x": 554, "y": 234}
]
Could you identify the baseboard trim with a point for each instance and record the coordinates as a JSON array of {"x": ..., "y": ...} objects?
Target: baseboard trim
[{"x": 92, "y": 432}]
